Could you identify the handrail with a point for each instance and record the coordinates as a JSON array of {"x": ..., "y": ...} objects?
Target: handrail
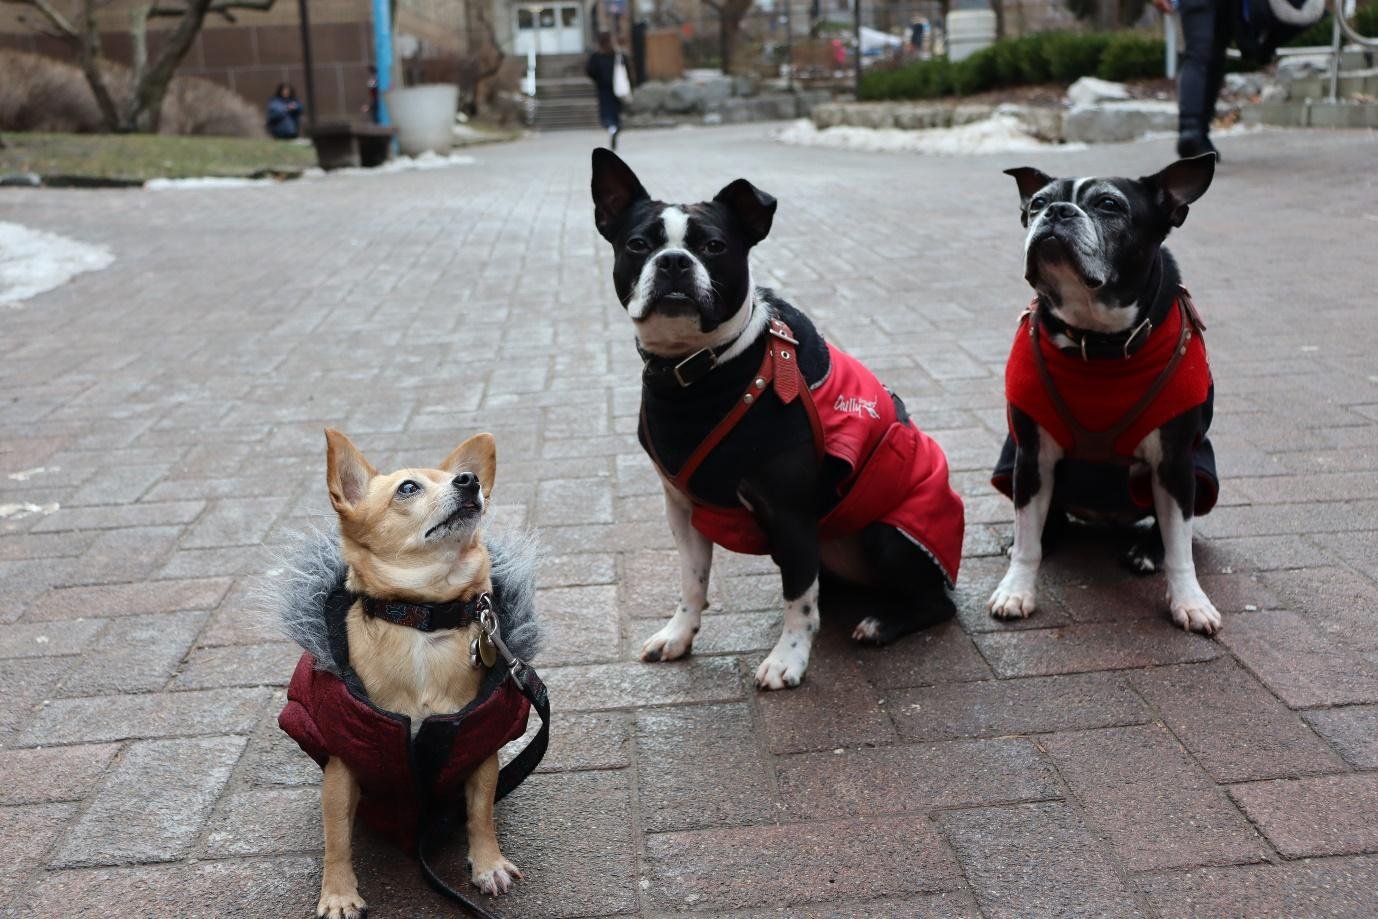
[{"x": 1349, "y": 31}]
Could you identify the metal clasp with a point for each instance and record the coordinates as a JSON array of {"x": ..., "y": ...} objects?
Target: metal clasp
[{"x": 488, "y": 624}]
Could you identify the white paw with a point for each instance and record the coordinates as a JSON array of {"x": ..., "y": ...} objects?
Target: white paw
[
  {"x": 785, "y": 666},
  {"x": 348, "y": 905},
  {"x": 1194, "y": 612},
  {"x": 1014, "y": 602},
  {"x": 495, "y": 878},
  {"x": 867, "y": 630},
  {"x": 1141, "y": 561},
  {"x": 670, "y": 643}
]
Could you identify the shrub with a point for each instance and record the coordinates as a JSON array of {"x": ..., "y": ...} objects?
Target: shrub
[
  {"x": 44, "y": 94},
  {"x": 1131, "y": 56},
  {"x": 1365, "y": 20},
  {"x": 1072, "y": 55}
]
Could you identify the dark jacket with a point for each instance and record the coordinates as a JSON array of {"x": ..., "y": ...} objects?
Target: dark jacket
[
  {"x": 600, "y": 68},
  {"x": 284, "y": 117}
]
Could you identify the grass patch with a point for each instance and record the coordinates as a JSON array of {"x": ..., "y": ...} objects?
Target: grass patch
[{"x": 140, "y": 157}]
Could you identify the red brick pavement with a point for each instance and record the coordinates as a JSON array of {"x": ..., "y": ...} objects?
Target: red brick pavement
[{"x": 1091, "y": 761}]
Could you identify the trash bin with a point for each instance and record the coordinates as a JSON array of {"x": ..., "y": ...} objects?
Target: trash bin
[{"x": 425, "y": 117}]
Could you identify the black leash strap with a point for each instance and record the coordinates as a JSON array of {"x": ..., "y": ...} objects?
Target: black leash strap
[{"x": 512, "y": 775}]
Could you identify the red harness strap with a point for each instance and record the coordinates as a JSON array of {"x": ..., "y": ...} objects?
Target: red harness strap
[{"x": 779, "y": 370}]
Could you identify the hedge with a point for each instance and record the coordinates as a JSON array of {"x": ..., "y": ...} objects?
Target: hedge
[
  {"x": 1037, "y": 58},
  {"x": 1365, "y": 20}
]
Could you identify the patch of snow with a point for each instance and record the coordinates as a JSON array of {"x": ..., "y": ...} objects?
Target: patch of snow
[
  {"x": 34, "y": 261},
  {"x": 206, "y": 182},
  {"x": 424, "y": 161},
  {"x": 997, "y": 134},
  {"x": 20, "y": 511},
  {"x": 24, "y": 475}
]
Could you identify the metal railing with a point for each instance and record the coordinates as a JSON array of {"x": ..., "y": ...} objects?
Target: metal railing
[{"x": 1341, "y": 29}]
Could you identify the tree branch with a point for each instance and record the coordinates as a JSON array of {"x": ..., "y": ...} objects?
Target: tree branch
[{"x": 58, "y": 21}]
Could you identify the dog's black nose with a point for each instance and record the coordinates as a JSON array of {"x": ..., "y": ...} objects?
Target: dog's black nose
[
  {"x": 1062, "y": 211},
  {"x": 675, "y": 265},
  {"x": 466, "y": 482}
]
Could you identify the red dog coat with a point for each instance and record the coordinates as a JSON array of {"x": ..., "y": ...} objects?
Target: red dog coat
[
  {"x": 327, "y": 718},
  {"x": 897, "y": 475},
  {"x": 1104, "y": 396}
]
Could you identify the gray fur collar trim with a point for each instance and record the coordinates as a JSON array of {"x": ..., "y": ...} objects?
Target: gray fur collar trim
[{"x": 306, "y": 597}]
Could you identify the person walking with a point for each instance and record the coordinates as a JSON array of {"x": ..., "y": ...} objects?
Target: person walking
[
  {"x": 1206, "y": 30},
  {"x": 284, "y": 113},
  {"x": 602, "y": 70}
]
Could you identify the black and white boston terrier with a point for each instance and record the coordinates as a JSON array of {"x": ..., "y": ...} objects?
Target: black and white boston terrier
[
  {"x": 767, "y": 438},
  {"x": 1108, "y": 387}
]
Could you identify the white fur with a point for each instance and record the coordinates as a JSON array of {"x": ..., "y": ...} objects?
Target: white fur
[
  {"x": 676, "y": 224},
  {"x": 676, "y": 637},
  {"x": 785, "y": 665},
  {"x": 1187, "y": 602},
  {"x": 1017, "y": 594}
]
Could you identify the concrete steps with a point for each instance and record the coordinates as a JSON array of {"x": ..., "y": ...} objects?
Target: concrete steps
[{"x": 1313, "y": 113}]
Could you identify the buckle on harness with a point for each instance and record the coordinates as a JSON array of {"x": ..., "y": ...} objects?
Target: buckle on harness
[
  {"x": 490, "y": 640},
  {"x": 692, "y": 369}
]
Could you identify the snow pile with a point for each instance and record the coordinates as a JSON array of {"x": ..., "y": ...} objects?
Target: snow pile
[
  {"x": 20, "y": 511},
  {"x": 997, "y": 134},
  {"x": 205, "y": 182},
  {"x": 427, "y": 160},
  {"x": 32, "y": 261},
  {"x": 424, "y": 161}
]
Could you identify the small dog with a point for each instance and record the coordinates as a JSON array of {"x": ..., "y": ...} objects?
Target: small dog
[
  {"x": 1108, "y": 386},
  {"x": 411, "y": 539},
  {"x": 769, "y": 440}
]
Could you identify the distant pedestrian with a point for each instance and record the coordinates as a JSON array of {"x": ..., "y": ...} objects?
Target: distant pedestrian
[
  {"x": 372, "y": 107},
  {"x": 1207, "y": 31},
  {"x": 602, "y": 69},
  {"x": 284, "y": 113}
]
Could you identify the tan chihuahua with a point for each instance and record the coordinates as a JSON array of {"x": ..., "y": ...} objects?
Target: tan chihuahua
[{"x": 412, "y": 536}]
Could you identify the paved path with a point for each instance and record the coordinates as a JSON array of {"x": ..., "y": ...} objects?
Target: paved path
[{"x": 1092, "y": 761}]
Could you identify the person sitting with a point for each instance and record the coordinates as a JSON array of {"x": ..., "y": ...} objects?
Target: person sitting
[{"x": 284, "y": 113}]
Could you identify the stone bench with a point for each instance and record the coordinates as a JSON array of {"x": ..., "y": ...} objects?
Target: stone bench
[{"x": 341, "y": 144}]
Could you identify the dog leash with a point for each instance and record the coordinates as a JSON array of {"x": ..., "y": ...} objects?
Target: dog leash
[{"x": 509, "y": 777}]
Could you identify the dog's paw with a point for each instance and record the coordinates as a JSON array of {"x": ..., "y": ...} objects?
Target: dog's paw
[
  {"x": 782, "y": 669},
  {"x": 348, "y": 905},
  {"x": 1194, "y": 612},
  {"x": 869, "y": 631},
  {"x": 494, "y": 877},
  {"x": 670, "y": 643},
  {"x": 1012, "y": 602},
  {"x": 1142, "y": 559}
]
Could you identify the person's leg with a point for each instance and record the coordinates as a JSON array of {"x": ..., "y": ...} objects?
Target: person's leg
[{"x": 1199, "y": 81}]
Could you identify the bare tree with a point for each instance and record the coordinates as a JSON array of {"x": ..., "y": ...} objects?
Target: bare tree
[
  {"x": 483, "y": 59},
  {"x": 142, "y": 108},
  {"x": 730, "y": 16}
]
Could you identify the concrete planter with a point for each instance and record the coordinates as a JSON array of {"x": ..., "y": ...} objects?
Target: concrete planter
[{"x": 425, "y": 117}]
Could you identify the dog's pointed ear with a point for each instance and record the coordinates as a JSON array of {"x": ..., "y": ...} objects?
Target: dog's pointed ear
[
  {"x": 1180, "y": 184},
  {"x": 754, "y": 209},
  {"x": 347, "y": 473},
  {"x": 615, "y": 188},
  {"x": 1029, "y": 180},
  {"x": 479, "y": 455}
]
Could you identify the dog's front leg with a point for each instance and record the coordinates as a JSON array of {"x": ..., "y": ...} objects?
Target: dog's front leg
[
  {"x": 1035, "y": 457},
  {"x": 490, "y": 871},
  {"x": 695, "y": 562},
  {"x": 339, "y": 887},
  {"x": 1169, "y": 455},
  {"x": 782, "y": 504}
]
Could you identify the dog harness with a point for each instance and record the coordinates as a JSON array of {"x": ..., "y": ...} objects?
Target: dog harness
[
  {"x": 407, "y": 782},
  {"x": 897, "y": 475},
  {"x": 1100, "y": 410}
]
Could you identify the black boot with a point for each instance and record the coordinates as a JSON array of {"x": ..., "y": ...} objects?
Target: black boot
[{"x": 1194, "y": 143}]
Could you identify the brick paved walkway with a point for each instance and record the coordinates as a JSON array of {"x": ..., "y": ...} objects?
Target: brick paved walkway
[{"x": 1092, "y": 761}]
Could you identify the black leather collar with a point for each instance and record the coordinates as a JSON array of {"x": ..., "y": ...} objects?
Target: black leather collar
[
  {"x": 1116, "y": 344},
  {"x": 429, "y": 617},
  {"x": 686, "y": 371}
]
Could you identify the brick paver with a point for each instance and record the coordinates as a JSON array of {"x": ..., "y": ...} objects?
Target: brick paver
[{"x": 1092, "y": 760}]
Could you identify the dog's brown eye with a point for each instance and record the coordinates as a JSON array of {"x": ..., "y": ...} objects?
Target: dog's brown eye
[
  {"x": 408, "y": 488},
  {"x": 638, "y": 245},
  {"x": 1037, "y": 204},
  {"x": 715, "y": 247},
  {"x": 1108, "y": 203}
]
